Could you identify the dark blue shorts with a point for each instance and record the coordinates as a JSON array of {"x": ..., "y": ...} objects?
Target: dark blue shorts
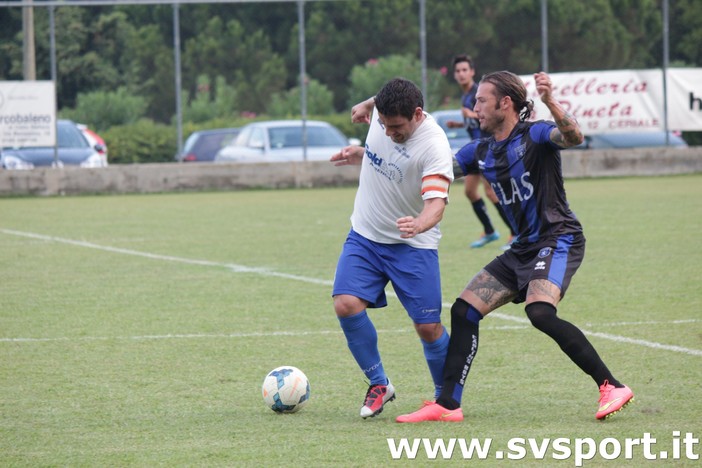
[
  {"x": 365, "y": 268},
  {"x": 555, "y": 260}
]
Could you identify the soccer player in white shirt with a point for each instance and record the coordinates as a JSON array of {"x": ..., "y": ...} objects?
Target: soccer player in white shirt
[{"x": 406, "y": 171}]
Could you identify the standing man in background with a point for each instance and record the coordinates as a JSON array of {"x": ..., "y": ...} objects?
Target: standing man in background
[{"x": 464, "y": 74}]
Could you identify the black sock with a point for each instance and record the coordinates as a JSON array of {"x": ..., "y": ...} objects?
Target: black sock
[
  {"x": 463, "y": 345},
  {"x": 504, "y": 218},
  {"x": 482, "y": 214},
  {"x": 571, "y": 340}
]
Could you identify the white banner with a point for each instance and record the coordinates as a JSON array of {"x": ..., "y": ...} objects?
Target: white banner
[
  {"x": 626, "y": 100},
  {"x": 27, "y": 113}
]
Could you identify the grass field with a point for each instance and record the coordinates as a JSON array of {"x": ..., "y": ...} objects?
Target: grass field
[{"x": 137, "y": 330}]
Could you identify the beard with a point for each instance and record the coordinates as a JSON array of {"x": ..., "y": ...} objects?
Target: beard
[{"x": 489, "y": 125}]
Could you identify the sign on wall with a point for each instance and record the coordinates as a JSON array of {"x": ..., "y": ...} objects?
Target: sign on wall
[
  {"x": 27, "y": 113},
  {"x": 626, "y": 100}
]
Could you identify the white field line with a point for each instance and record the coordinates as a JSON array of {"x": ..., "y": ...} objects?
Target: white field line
[
  {"x": 267, "y": 272},
  {"x": 224, "y": 335}
]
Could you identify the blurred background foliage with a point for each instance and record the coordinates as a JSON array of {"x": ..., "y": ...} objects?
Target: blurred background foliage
[{"x": 241, "y": 61}]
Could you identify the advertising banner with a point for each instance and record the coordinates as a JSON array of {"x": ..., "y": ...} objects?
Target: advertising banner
[
  {"x": 625, "y": 100},
  {"x": 27, "y": 113}
]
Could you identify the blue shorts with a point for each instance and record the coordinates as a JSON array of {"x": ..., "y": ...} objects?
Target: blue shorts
[{"x": 365, "y": 268}]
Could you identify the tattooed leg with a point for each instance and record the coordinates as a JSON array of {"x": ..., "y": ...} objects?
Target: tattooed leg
[
  {"x": 486, "y": 293},
  {"x": 542, "y": 290}
]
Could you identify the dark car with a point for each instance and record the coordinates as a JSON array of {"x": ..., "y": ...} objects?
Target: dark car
[
  {"x": 73, "y": 150},
  {"x": 204, "y": 144},
  {"x": 630, "y": 140}
]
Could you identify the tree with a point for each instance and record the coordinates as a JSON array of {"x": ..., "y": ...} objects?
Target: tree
[
  {"x": 347, "y": 34},
  {"x": 149, "y": 72},
  {"x": 246, "y": 59},
  {"x": 320, "y": 101},
  {"x": 367, "y": 79},
  {"x": 210, "y": 102},
  {"x": 686, "y": 32}
]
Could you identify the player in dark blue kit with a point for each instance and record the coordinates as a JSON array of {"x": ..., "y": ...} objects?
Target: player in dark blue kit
[{"x": 522, "y": 162}]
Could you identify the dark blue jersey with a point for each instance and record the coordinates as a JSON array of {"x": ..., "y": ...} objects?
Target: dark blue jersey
[
  {"x": 472, "y": 125},
  {"x": 525, "y": 172}
]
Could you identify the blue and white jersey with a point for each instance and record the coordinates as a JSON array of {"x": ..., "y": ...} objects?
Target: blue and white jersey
[
  {"x": 396, "y": 178},
  {"x": 468, "y": 100},
  {"x": 525, "y": 172}
]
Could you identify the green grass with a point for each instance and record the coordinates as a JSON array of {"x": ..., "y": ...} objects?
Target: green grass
[{"x": 137, "y": 330}]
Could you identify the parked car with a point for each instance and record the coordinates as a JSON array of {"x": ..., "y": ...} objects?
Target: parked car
[
  {"x": 203, "y": 145},
  {"x": 281, "y": 140},
  {"x": 458, "y": 137},
  {"x": 73, "y": 150},
  {"x": 94, "y": 140},
  {"x": 630, "y": 140}
]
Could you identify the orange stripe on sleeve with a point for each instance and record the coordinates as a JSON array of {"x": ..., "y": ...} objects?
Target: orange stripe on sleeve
[{"x": 435, "y": 183}]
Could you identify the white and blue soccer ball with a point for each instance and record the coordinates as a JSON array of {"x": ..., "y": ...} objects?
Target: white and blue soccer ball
[{"x": 286, "y": 389}]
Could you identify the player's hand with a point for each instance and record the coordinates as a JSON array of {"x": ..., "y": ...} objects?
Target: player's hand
[
  {"x": 361, "y": 112},
  {"x": 543, "y": 85},
  {"x": 347, "y": 156},
  {"x": 408, "y": 226}
]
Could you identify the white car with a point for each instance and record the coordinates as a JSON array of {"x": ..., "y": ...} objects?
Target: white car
[
  {"x": 95, "y": 141},
  {"x": 281, "y": 141}
]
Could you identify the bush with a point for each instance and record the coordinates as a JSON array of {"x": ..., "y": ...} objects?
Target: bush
[
  {"x": 101, "y": 110},
  {"x": 343, "y": 122},
  {"x": 141, "y": 142}
]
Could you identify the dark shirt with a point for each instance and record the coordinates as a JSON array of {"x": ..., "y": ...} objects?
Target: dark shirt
[
  {"x": 472, "y": 125},
  {"x": 525, "y": 172}
]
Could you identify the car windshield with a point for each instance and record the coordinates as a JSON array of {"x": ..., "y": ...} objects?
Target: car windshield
[
  {"x": 68, "y": 135},
  {"x": 452, "y": 133},
  {"x": 290, "y": 137}
]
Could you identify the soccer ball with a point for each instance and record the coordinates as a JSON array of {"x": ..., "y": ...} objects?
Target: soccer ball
[{"x": 286, "y": 389}]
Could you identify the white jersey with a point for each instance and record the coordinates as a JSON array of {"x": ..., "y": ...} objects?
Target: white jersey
[{"x": 393, "y": 182}]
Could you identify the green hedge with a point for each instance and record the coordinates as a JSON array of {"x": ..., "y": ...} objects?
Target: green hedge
[
  {"x": 141, "y": 142},
  {"x": 150, "y": 142}
]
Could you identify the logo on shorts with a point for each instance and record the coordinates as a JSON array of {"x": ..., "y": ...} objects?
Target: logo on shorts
[
  {"x": 540, "y": 266},
  {"x": 545, "y": 252}
]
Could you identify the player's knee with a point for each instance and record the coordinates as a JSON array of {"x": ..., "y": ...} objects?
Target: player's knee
[
  {"x": 459, "y": 309},
  {"x": 429, "y": 332},
  {"x": 346, "y": 305},
  {"x": 462, "y": 310},
  {"x": 541, "y": 314}
]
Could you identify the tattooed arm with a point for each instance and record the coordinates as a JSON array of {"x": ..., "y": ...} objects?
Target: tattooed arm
[{"x": 567, "y": 132}]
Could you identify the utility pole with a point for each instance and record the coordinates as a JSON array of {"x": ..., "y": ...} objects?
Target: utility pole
[{"x": 29, "y": 63}]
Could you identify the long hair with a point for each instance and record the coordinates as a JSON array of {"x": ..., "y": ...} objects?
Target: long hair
[{"x": 508, "y": 84}]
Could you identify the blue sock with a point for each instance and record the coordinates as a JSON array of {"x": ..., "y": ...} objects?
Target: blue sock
[
  {"x": 362, "y": 340},
  {"x": 435, "y": 354}
]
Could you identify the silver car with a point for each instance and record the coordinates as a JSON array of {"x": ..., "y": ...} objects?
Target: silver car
[{"x": 281, "y": 141}]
